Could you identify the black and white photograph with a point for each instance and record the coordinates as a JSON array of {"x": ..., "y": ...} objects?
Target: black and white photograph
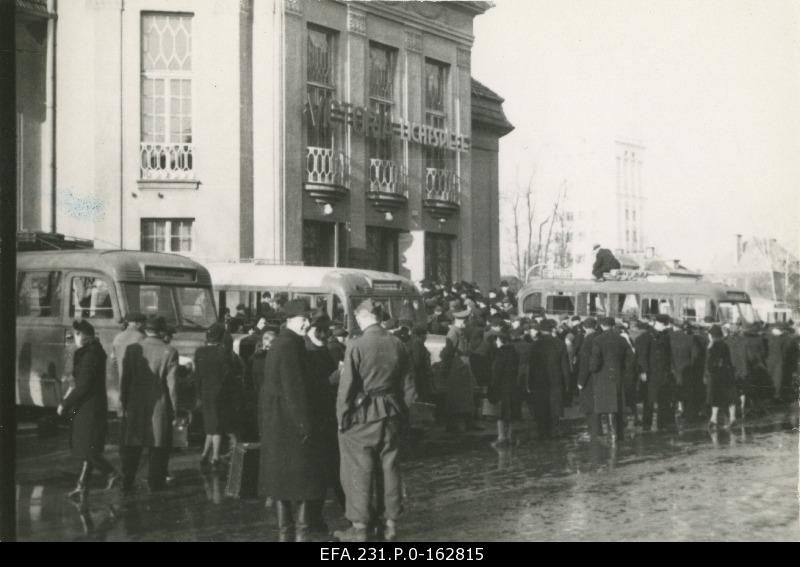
[{"x": 402, "y": 279}]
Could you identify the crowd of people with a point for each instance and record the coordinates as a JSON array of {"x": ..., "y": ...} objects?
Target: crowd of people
[{"x": 329, "y": 407}]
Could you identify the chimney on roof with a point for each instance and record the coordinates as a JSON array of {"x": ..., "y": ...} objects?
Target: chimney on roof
[
  {"x": 676, "y": 264},
  {"x": 738, "y": 248},
  {"x": 651, "y": 252}
]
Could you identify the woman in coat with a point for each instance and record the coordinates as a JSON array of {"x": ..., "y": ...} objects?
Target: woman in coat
[
  {"x": 216, "y": 373},
  {"x": 505, "y": 388},
  {"x": 720, "y": 380},
  {"x": 88, "y": 405}
]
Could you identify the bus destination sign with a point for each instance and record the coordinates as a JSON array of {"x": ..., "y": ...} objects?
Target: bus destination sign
[{"x": 170, "y": 274}]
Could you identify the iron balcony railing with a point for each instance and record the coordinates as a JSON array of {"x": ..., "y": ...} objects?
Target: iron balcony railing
[
  {"x": 166, "y": 161},
  {"x": 385, "y": 176},
  {"x": 442, "y": 185},
  {"x": 326, "y": 166}
]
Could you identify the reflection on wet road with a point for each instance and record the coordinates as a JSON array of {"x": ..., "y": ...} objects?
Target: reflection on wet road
[{"x": 692, "y": 485}]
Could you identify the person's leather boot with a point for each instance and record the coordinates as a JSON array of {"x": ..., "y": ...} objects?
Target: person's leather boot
[
  {"x": 303, "y": 526},
  {"x": 285, "y": 520}
]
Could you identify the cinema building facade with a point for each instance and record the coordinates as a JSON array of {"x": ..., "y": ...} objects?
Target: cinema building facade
[{"x": 315, "y": 131}]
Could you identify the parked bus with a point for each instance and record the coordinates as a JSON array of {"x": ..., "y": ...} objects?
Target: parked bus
[
  {"x": 639, "y": 296},
  {"x": 102, "y": 286},
  {"x": 336, "y": 291}
]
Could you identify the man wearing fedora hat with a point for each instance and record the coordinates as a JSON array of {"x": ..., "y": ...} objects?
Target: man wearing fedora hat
[
  {"x": 375, "y": 392},
  {"x": 147, "y": 396},
  {"x": 292, "y": 470},
  {"x": 657, "y": 375}
]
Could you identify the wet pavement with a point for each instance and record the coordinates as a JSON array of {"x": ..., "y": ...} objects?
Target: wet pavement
[{"x": 687, "y": 485}]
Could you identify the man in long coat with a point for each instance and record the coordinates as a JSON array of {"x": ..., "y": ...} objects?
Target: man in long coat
[
  {"x": 585, "y": 380},
  {"x": 132, "y": 334},
  {"x": 459, "y": 381},
  {"x": 611, "y": 365},
  {"x": 684, "y": 352},
  {"x": 655, "y": 363},
  {"x": 292, "y": 433},
  {"x": 87, "y": 404},
  {"x": 781, "y": 361},
  {"x": 375, "y": 391},
  {"x": 549, "y": 372},
  {"x": 147, "y": 396}
]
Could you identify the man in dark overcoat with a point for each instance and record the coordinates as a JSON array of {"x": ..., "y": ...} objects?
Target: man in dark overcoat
[
  {"x": 656, "y": 365},
  {"x": 292, "y": 432},
  {"x": 684, "y": 351},
  {"x": 781, "y": 361},
  {"x": 147, "y": 396},
  {"x": 549, "y": 372},
  {"x": 375, "y": 391},
  {"x": 87, "y": 405},
  {"x": 585, "y": 380},
  {"x": 612, "y": 364}
]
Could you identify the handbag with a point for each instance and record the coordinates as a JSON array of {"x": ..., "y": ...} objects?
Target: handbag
[{"x": 180, "y": 431}]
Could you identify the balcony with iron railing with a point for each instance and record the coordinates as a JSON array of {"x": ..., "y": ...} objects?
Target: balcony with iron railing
[
  {"x": 166, "y": 162},
  {"x": 388, "y": 187},
  {"x": 327, "y": 174},
  {"x": 442, "y": 192}
]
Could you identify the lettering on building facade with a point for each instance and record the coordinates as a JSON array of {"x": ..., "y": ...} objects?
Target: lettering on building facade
[{"x": 369, "y": 123}]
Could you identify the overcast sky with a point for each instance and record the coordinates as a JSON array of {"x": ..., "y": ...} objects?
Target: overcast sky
[{"x": 712, "y": 88}]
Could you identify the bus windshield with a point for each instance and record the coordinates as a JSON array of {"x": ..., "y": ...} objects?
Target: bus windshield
[
  {"x": 399, "y": 307},
  {"x": 184, "y": 307},
  {"x": 733, "y": 312}
]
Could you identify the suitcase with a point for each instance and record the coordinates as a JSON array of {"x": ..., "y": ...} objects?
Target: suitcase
[{"x": 243, "y": 474}]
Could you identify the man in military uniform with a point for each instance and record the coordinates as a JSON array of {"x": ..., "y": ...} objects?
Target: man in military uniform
[{"x": 375, "y": 391}]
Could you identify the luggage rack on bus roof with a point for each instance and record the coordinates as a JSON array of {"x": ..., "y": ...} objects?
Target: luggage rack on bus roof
[
  {"x": 37, "y": 241},
  {"x": 613, "y": 275}
]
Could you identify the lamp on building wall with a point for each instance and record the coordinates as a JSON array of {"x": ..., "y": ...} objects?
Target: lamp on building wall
[
  {"x": 388, "y": 216},
  {"x": 327, "y": 209}
]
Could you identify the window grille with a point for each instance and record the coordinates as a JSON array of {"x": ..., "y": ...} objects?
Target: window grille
[{"x": 435, "y": 111}]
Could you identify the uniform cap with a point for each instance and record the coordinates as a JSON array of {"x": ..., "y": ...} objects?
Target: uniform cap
[
  {"x": 663, "y": 319},
  {"x": 154, "y": 323}
]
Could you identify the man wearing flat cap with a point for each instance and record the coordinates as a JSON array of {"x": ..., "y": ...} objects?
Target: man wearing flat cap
[
  {"x": 292, "y": 470},
  {"x": 147, "y": 397},
  {"x": 132, "y": 334},
  {"x": 375, "y": 392}
]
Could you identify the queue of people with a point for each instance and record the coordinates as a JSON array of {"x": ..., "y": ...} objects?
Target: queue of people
[{"x": 329, "y": 407}]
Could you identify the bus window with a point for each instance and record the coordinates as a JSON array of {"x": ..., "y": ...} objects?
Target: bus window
[
  {"x": 314, "y": 300},
  {"x": 694, "y": 308},
  {"x": 560, "y": 304},
  {"x": 657, "y": 306},
  {"x": 531, "y": 302},
  {"x": 736, "y": 312},
  {"x": 404, "y": 308},
  {"x": 39, "y": 294},
  {"x": 195, "y": 306},
  {"x": 151, "y": 300},
  {"x": 90, "y": 298},
  {"x": 625, "y": 305},
  {"x": 592, "y": 304}
]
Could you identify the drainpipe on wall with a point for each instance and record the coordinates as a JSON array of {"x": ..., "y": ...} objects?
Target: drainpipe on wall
[
  {"x": 121, "y": 136},
  {"x": 53, "y": 85}
]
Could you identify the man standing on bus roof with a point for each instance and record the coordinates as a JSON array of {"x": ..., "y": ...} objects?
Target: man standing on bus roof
[
  {"x": 375, "y": 391},
  {"x": 131, "y": 335},
  {"x": 604, "y": 262},
  {"x": 147, "y": 396}
]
